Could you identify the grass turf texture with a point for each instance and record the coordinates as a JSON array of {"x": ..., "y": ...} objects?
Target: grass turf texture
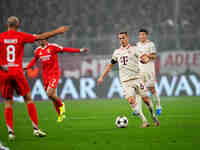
[{"x": 90, "y": 126}]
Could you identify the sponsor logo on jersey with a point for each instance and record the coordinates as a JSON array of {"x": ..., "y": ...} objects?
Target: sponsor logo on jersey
[
  {"x": 10, "y": 41},
  {"x": 44, "y": 58}
]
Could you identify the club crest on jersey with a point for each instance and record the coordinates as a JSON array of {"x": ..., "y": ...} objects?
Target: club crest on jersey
[{"x": 48, "y": 50}]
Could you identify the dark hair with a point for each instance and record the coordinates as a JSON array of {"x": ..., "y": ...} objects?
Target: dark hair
[
  {"x": 144, "y": 30},
  {"x": 124, "y": 33}
]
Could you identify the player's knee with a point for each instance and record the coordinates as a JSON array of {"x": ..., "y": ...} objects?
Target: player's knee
[
  {"x": 146, "y": 99},
  {"x": 50, "y": 94},
  {"x": 27, "y": 98},
  {"x": 131, "y": 100},
  {"x": 8, "y": 103},
  {"x": 153, "y": 90}
]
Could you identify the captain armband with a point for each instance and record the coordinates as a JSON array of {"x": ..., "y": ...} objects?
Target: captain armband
[{"x": 113, "y": 61}]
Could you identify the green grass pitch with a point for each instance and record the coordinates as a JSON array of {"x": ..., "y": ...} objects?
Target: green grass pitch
[{"x": 90, "y": 126}]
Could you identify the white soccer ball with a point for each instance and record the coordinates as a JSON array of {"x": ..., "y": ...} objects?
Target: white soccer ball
[{"x": 121, "y": 122}]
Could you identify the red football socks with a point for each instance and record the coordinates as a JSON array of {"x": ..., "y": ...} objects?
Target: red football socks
[
  {"x": 33, "y": 114},
  {"x": 9, "y": 118},
  {"x": 57, "y": 104},
  {"x": 56, "y": 107}
]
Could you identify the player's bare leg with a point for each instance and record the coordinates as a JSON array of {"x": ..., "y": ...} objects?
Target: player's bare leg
[
  {"x": 33, "y": 115},
  {"x": 59, "y": 105},
  {"x": 133, "y": 104},
  {"x": 149, "y": 104},
  {"x": 157, "y": 99},
  {"x": 9, "y": 118}
]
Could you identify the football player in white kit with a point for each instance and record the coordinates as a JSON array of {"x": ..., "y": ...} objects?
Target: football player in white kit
[
  {"x": 128, "y": 58},
  {"x": 147, "y": 47}
]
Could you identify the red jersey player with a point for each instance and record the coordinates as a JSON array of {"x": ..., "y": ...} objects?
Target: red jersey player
[
  {"x": 47, "y": 55},
  {"x": 11, "y": 72}
]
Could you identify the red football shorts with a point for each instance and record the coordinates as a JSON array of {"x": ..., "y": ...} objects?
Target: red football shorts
[
  {"x": 13, "y": 80},
  {"x": 51, "y": 81}
]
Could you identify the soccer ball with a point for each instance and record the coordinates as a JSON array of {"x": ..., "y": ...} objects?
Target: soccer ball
[{"x": 121, "y": 122}]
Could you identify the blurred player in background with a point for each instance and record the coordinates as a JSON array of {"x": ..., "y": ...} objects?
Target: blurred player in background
[
  {"x": 128, "y": 58},
  {"x": 145, "y": 46},
  {"x": 11, "y": 72},
  {"x": 46, "y": 53}
]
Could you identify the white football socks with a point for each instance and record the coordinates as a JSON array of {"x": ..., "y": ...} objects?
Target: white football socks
[
  {"x": 157, "y": 100},
  {"x": 138, "y": 108}
]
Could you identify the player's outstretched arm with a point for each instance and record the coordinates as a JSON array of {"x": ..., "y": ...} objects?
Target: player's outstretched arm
[
  {"x": 52, "y": 33},
  {"x": 74, "y": 50},
  {"x": 31, "y": 63},
  {"x": 105, "y": 73}
]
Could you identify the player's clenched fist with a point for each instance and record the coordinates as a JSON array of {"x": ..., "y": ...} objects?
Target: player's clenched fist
[
  {"x": 84, "y": 50},
  {"x": 62, "y": 29},
  {"x": 100, "y": 81},
  {"x": 144, "y": 59}
]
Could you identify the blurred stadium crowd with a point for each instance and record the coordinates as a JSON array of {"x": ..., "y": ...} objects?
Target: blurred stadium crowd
[{"x": 173, "y": 24}]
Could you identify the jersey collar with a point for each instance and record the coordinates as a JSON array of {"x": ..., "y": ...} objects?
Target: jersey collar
[
  {"x": 147, "y": 41},
  {"x": 127, "y": 47},
  {"x": 44, "y": 46}
]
